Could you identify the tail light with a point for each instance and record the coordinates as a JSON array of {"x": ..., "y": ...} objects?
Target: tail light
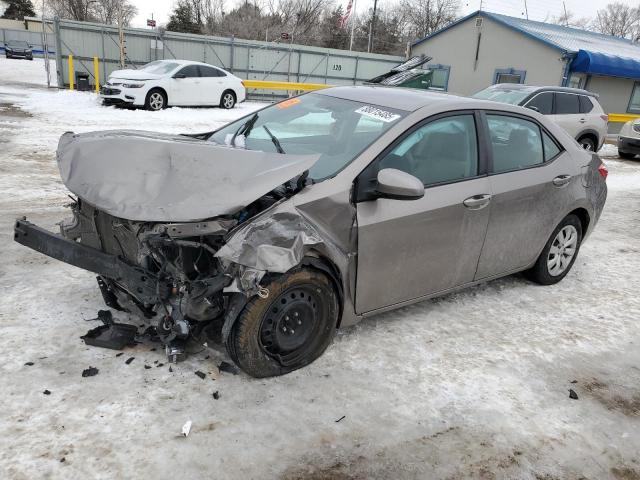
[
  {"x": 602, "y": 170},
  {"x": 605, "y": 117}
]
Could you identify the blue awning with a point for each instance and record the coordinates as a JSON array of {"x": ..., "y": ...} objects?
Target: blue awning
[{"x": 605, "y": 64}]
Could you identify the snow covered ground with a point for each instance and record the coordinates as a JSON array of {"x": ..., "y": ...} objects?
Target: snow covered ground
[{"x": 474, "y": 384}]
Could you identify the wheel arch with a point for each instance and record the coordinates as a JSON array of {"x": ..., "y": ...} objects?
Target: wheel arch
[
  {"x": 314, "y": 260},
  {"x": 590, "y": 133},
  {"x": 583, "y": 216},
  {"x": 232, "y": 91},
  {"x": 162, "y": 90}
]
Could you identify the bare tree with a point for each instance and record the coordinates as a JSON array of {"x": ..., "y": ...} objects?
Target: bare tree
[
  {"x": 423, "y": 17},
  {"x": 618, "y": 19},
  {"x": 569, "y": 19},
  {"x": 104, "y": 11}
]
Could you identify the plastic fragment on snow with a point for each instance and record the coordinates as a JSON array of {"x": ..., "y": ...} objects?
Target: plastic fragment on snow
[
  {"x": 129, "y": 360},
  {"x": 186, "y": 428},
  {"x": 90, "y": 372},
  {"x": 216, "y": 395},
  {"x": 28, "y": 364},
  {"x": 147, "y": 367},
  {"x": 47, "y": 392},
  {"x": 341, "y": 418},
  {"x": 573, "y": 395},
  {"x": 228, "y": 368},
  {"x": 202, "y": 375}
]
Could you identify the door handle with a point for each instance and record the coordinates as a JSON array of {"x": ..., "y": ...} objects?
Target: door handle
[
  {"x": 477, "y": 202},
  {"x": 561, "y": 180}
]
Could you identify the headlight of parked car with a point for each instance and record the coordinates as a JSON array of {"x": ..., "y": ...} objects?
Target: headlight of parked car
[
  {"x": 133, "y": 85},
  {"x": 636, "y": 127}
]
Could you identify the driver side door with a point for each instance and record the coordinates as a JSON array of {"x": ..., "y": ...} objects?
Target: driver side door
[
  {"x": 185, "y": 86},
  {"x": 408, "y": 249}
]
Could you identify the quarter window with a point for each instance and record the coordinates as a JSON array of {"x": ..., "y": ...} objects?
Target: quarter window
[
  {"x": 444, "y": 150},
  {"x": 516, "y": 143},
  {"x": 567, "y": 104},
  {"x": 542, "y": 103},
  {"x": 586, "y": 105},
  {"x": 550, "y": 147}
]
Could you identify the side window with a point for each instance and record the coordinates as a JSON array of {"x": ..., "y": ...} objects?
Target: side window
[
  {"x": 586, "y": 105},
  {"x": 542, "y": 103},
  {"x": 516, "y": 143},
  {"x": 443, "y": 150},
  {"x": 567, "y": 104},
  {"x": 634, "y": 101},
  {"x": 551, "y": 149},
  {"x": 211, "y": 72},
  {"x": 190, "y": 71}
]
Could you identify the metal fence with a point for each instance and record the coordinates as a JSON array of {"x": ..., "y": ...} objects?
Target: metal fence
[
  {"x": 247, "y": 59},
  {"x": 32, "y": 38}
]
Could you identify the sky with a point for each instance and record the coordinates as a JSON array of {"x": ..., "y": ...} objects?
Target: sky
[{"x": 537, "y": 9}]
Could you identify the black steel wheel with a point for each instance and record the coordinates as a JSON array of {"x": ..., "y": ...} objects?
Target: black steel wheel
[{"x": 287, "y": 330}]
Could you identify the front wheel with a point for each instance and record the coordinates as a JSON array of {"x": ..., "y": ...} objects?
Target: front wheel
[
  {"x": 156, "y": 100},
  {"x": 559, "y": 253},
  {"x": 228, "y": 100},
  {"x": 287, "y": 330}
]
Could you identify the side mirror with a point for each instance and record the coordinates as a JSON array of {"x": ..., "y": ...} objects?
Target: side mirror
[
  {"x": 179, "y": 75},
  {"x": 399, "y": 185}
]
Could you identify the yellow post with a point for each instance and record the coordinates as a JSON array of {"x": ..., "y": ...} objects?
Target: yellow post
[
  {"x": 71, "y": 72},
  {"x": 96, "y": 73}
]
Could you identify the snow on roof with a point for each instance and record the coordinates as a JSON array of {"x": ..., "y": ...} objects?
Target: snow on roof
[{"x": 567, "y": 39}]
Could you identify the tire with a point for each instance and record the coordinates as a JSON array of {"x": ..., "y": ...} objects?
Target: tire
[
  {"x": 587, "y": 143},
  {"x": 626, "y": 155},
  {"x": 156, "y": 100},
  {"x": 227, "y": 100},
  {"x": 546, "y": 271},
  {"x": 263, "y": 341}
]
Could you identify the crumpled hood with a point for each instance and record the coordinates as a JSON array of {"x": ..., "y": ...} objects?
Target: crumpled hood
[
  {"x": 130, "y": 74},
  {"x": 147, "y": 176}
]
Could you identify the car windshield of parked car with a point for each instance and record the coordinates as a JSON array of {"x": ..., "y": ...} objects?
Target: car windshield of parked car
[
  {"x": 159, "y": 67},
  {"x": 18, "y": 44},
  {"x": 337, "y": 129},
  {"x": 503, "y": 95}
]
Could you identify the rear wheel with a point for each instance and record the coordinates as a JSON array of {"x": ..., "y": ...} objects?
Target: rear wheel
[
  {"x": 626, "y": 155},
  {"x": 156, "y": 100},
  {"x": 287, "y": 330},
  {"x": 228, "y": 100},
  {"x": 587, "y": 143},
  {"x": 559, "y": 253}
]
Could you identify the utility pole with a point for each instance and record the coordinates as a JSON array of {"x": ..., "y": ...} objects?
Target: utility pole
[
  {"x": 353, "y": 23},
  {"x": 121, "y": 36},
  {"x": 372, "y": 26},
  {"x": 526, "y": 10},
  {"x": 566, "y": 18},
  {"x": 45, "y": 48}
]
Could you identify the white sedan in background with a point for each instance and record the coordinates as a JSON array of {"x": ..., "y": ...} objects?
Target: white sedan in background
[{"x": 167, "y": 83}]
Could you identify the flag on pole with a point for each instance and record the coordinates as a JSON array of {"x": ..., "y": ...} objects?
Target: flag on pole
[{"x": 347, "y": 14}]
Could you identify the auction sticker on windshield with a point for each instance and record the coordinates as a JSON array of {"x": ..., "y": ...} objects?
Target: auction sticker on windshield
[
  {"x": 374, "y": 112},
  {"x": 288, "y": 103}
]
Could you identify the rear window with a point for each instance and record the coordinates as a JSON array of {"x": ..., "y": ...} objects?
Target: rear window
[
  {"x": 567, "y": 104},
  {"x": 586, "y": 105}
]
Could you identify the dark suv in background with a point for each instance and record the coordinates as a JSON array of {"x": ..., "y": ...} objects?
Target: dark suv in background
[{"x": 18, "y": 49}]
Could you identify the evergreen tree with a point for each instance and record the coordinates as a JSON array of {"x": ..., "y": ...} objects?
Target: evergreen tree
[
  {"x": 184, "y": 19},
  {"x": 18, "y": 9}
]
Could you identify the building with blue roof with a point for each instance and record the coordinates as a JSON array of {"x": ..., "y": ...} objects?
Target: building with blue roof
[{"x": 485, "y": 48}]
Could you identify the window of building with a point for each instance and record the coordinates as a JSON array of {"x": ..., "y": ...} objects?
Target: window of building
[
  {"x": 576, "y": 81},
  {"x": 439, "y": 77},
  {"x": 516, "y": 143},
  {"x": 509, "y": 75},
  {"x": 634, "y": 102},
  {"x": 444, "y": 150},
  {"x": 542, "y": 103},
  {"x": 567, "y": 104}
]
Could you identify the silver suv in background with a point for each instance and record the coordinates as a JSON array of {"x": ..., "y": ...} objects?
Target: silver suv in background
[
  {"x": 629, "y": 139},
  {"x": 577, "y": 111}
]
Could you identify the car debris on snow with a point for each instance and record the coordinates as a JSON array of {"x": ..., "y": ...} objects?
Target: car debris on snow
[
  {"x": 228, "y": 368},
  {"x": 202, "y": 375},
  {"x": 216, "y": 395},
  {"x": 186, "y": 428},
  {"x": 147, "y": 367},
  {"x": 90, "y": 372},
  {"x": 572, "y": 394},
  {"x": 47, "y": 392},
  {"x": 341, "y": 418},
  {"x": 28, "y": 364},
  {"x": 111, "y": 335},
  {"x": 129, "y": 360}
]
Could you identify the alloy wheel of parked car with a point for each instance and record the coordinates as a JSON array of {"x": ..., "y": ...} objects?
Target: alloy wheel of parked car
[
  {"x": 587, "y": 143},
  {"x": 155, "y": 100},
  {"x": 559, "y": 253},
  {"x": 287, "y": 330},
  {"x": 228, "y": 100}
]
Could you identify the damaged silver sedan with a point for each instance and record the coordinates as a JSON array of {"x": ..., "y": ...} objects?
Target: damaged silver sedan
[{"x": 311, "y": 214}]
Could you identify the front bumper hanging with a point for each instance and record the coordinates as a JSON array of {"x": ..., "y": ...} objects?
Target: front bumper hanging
[{"x": 138, "y": 281}]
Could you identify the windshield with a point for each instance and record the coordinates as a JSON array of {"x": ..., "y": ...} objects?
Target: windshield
[
  {"x": 18, "y": 43},
  {"x": 159, "y": 67},
  {"x": 504, "y": 95},
  {"x": 337, "y": 129}
]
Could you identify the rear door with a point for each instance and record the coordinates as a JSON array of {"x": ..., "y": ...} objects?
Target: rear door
[
  {"x": 531, "y": 180},
  {"x": 411, "y": 248},
  {"x": 566, "y": 112},
  {"x": 212, "y": 84},
  {"x": 186, "y": 90}
]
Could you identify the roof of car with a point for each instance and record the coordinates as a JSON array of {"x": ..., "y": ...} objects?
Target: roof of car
[
  {"x": 536, "y": 88},
  {"x": 408, "y": 99}
]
